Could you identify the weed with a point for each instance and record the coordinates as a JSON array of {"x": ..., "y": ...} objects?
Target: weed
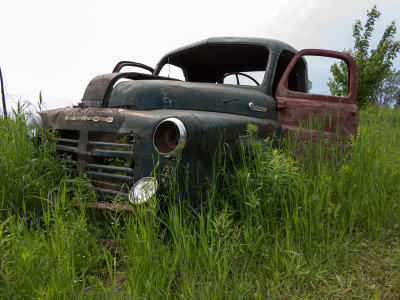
[{"x": 323, "y": 223}]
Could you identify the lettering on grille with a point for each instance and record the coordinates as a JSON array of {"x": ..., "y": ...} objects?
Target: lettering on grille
[{"x": 86, "y": 118}]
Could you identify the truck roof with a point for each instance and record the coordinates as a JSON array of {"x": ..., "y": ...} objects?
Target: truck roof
[{"x": 274, "y": 46}]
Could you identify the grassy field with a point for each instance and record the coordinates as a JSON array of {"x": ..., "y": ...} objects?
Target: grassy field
[{"x": 275, "y": 224}]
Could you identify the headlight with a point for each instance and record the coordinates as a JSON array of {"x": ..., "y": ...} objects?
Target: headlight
[
  {"x": 143, "y": 190},
  {"x": 169, "y": 137},
  {"x": 34, "y": 125}
]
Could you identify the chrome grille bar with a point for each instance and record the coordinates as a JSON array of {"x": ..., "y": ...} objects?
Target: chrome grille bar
[
  {"x": 111, "y": 177},
  {"x": 71, "y": 141},
  {"x": 109, "y": 168},
  {"x": 106, "y": 157},
  {"x": 104, "y": 144},
  {"x": 110, "y": 192},
  {"x": 66, "y": 148},
  {"x": 111, "y": 153}
]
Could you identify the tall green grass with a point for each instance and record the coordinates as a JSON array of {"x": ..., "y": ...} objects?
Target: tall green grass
[{"x": 274, "y": 223}]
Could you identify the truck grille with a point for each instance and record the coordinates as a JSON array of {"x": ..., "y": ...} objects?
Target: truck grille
[{"x": 105, "y": 156}]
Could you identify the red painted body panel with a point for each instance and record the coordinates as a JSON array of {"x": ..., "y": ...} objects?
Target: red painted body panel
[{"x": 336, "y": 115}]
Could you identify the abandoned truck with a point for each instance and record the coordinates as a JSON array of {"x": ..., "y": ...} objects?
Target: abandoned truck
[{"x": 130, "y": 126}]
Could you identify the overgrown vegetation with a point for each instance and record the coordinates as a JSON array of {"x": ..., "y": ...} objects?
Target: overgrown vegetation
[
  {"x": 324, "y": 223},
  {"x": 378, "y": 81}
]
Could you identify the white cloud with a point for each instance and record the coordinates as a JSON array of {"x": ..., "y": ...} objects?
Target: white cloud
[{"x": 58, "y": 46}]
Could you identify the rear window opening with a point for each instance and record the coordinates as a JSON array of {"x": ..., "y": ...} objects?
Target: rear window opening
[{"x": 222, "y": 64}]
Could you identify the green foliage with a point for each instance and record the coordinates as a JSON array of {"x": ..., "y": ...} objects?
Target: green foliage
[
  {"x": 389, "y": 93},
  {"x": 374, "y": 65},
  {"x": 275, "y": 224},
  {"x": 309, "y": 85},
  {"x": 28, "y": 172}
]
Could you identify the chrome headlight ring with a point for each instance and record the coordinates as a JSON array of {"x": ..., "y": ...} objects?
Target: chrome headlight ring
[
  {"x": 170, "y": 137},
  {"x": 34, "y": 125},
  {"x": 143, "y": 190}
]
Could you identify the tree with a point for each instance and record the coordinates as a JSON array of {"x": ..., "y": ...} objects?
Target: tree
[
  {"x": 389, "y": 93},
  {"x": 374, "y": 66}
]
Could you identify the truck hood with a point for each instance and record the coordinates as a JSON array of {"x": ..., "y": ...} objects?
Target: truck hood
[{"x": 163, "y": 94}]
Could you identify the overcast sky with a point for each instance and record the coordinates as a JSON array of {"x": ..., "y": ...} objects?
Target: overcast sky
[{"x": 59, "y": 46}]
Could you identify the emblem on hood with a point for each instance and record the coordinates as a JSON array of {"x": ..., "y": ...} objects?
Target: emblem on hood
[{"x": 86, "y": 118}]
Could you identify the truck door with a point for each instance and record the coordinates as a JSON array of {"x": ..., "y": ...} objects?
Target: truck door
[{"x": 300, "y": 112}]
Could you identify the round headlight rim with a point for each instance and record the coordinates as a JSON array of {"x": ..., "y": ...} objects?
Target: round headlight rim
[
  {"x": 34, "y": 124},
  {"x": 132, "y": 197},
  {"x": 182, "y": 136}
]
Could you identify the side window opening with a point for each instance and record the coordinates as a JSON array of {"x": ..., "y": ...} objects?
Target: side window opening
[
  {"x": 315, "y": 76},
  {"x": 319, "y": 76},
  {"x": 297, "y": 77}
]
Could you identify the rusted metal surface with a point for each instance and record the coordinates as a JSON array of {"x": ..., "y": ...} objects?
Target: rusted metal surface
[
  {"x": 159, "y": 94},
  {"x": 51, "y": 193},
  {"x": 111, "y": 134},
  {"x": 106, "y": 156},
  {"x": 99, "y": 88},
  {"x": 122, "y": 64},
  {"x": 336, "y": 115},
  {"x": 108, "y": 206}
]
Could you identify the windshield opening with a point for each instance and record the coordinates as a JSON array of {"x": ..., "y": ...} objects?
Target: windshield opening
[{"x": 220, "y": 63}]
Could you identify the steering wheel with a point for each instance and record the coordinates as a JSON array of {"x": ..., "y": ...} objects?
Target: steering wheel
[{"x": 237, "y": 77}]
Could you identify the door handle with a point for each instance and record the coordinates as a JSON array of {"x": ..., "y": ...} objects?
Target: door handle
[{"x": 257, "y": 108}]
